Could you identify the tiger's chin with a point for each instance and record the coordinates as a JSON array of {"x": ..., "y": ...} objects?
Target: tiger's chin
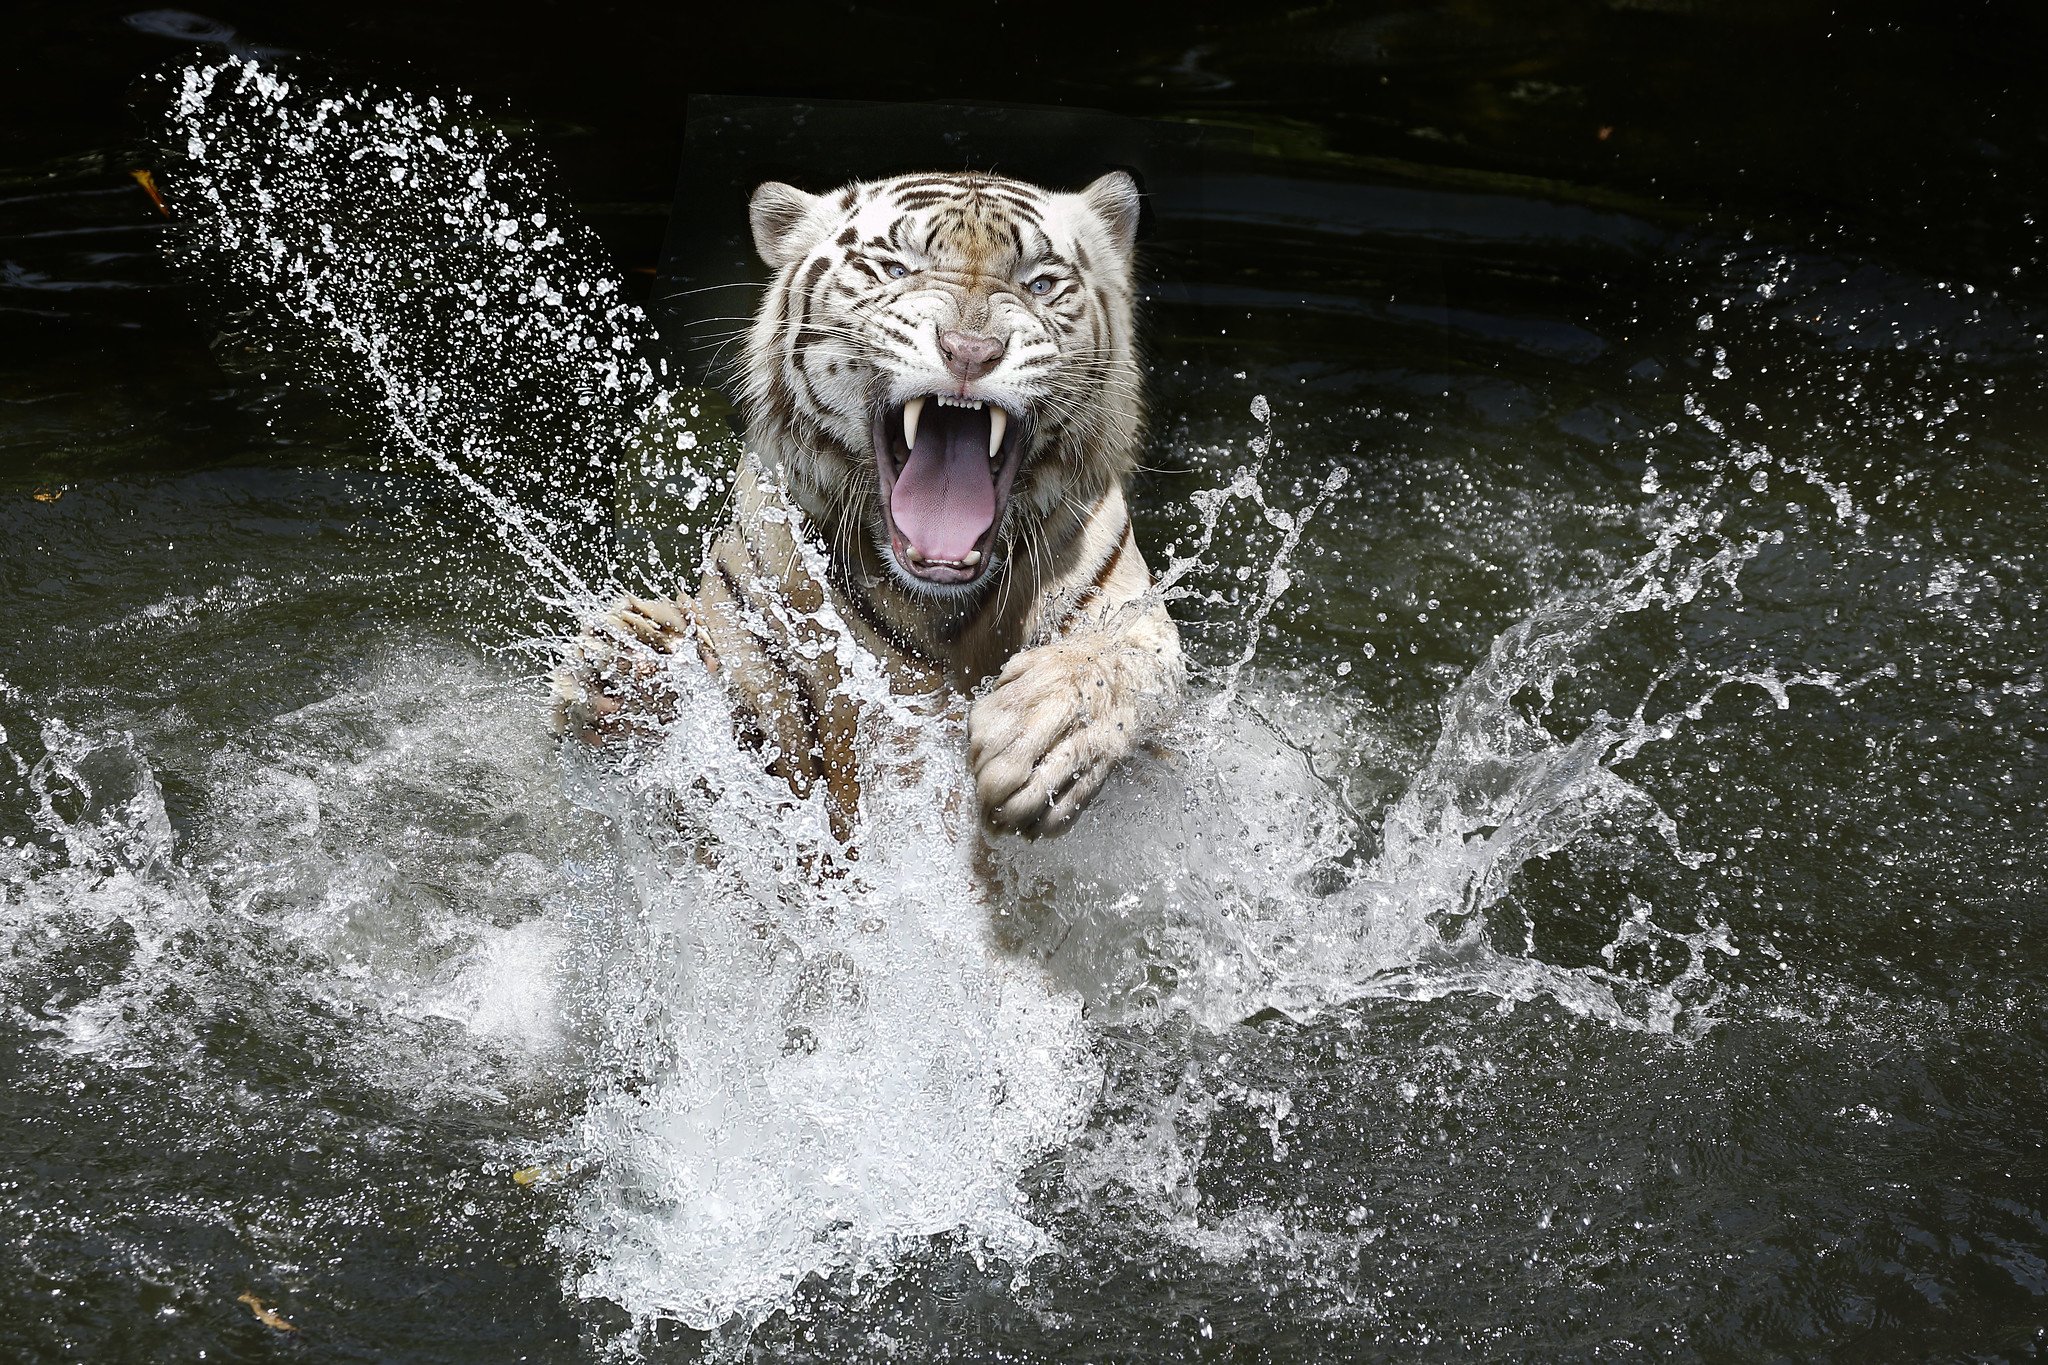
[{"x": 945, "y": 466}]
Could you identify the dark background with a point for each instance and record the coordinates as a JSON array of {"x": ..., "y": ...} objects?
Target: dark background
[
  {"x": 1916, "y": 127},
  {"x": 1911, "y": 133}
]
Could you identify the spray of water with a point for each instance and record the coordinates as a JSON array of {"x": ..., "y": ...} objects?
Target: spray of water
[{"x": 394, "y": 248}]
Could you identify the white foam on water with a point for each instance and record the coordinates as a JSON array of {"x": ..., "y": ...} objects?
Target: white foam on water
[
  {"x": 802, "y": 1065},
  {"x": 357, "y": 871},
  {"x": 813, "y": 1062}
]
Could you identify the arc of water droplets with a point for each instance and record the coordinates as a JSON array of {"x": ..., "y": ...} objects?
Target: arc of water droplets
[{"x": 381, "y": 221}]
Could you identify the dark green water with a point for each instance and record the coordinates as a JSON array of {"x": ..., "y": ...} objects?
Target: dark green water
[{"x": 1628, "y": 830}]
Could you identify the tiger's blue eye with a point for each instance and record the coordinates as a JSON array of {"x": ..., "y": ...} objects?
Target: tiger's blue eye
[
  {"x": 1042, "y": 285},
  {"x": 897, "y": 272}
]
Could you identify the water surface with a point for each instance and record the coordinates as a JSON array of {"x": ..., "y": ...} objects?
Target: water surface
[{"x": 1591, "y": 907}]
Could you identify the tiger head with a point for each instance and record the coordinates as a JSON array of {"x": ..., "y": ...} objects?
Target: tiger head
[{"x": 943, "y": 362}]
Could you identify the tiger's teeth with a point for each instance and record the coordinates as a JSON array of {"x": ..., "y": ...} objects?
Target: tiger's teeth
[
  {"x": 998, "y": 423},
  {"x": 971, "y": 558},
  {"x": 911, "y": 412},
  {"x": 910, "y": 553}
]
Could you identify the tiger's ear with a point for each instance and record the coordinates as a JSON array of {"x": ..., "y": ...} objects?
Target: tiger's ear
[
  {"x": 1114, "y": 200},
  {"x": 779, "y": 214}
]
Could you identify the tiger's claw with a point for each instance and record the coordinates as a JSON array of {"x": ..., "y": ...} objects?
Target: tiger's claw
[
  {"x": 1041, "y": 745},
  {"x": 612, "y": 687}
]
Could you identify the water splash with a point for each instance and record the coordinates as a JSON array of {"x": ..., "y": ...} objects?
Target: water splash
[
  {"x": 364, "y": 871},
  {"x": 1235, "y": 878},
  {"x": 389, "y": 244},
  {"x": 801, "y": 1066},
  {"x": 811, "y": 1064}
]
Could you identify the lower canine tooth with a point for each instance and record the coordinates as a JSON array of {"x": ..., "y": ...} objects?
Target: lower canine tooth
[
  {"x": 971, "y": 558},
  {"x": 911, "y": 412},
  {"x": 998, "y": 423},
  {"x": 913, "y": 556}
]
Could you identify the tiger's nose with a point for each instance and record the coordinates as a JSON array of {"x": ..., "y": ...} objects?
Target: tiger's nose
[{"x": 969, "y": 357}]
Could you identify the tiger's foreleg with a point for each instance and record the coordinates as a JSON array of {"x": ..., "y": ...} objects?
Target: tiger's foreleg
[
  {"x": 1062, "y": 715},
  {"x": 614, "y": 685}
]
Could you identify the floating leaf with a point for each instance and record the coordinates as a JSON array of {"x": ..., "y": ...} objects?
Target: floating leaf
[
  {"x": 264, "y": 1315},
  {"x": 545, "y": 1175},
  {"x": 148, "y": 182}
]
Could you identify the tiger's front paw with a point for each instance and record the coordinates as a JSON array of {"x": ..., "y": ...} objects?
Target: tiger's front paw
[
  {"x": 1043, "y": 742},
  {"x": 612, "y": 687}
]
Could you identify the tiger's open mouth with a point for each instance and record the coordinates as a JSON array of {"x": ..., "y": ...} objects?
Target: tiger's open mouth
[{"x": 946, "y": 465}]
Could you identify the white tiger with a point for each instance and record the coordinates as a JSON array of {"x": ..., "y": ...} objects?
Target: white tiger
[{"x": 943, "y": 410}]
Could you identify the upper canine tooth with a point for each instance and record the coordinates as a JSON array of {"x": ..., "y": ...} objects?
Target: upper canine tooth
[
  {"x": 998, "y": 422},
  {"x": 911, "y": 412}
]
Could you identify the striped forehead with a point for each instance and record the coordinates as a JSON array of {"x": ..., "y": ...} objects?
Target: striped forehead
[{"x": 975, "y": 216}]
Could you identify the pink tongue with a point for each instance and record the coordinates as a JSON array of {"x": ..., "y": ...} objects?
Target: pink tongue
[{"x": 945, "y": 498}]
